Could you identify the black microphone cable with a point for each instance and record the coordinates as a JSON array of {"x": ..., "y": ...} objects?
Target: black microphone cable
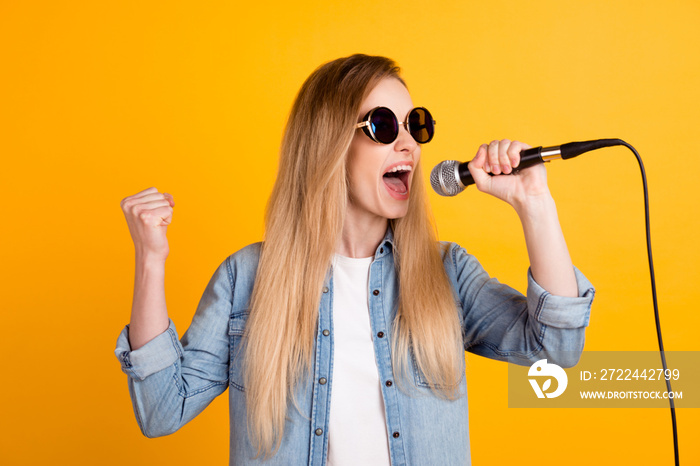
[
  {"x": 597, "y": 144},
  {"x": 653, "y": 294}
]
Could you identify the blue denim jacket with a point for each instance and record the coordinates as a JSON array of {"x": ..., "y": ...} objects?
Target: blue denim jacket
[{"x": 171, "y": 381}]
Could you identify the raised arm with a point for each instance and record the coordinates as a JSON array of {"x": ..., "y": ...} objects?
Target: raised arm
[
  {"x": 527, "y": 192},
  {"x": 148, "y": 215},
  {"x": 171, "y": 380}
]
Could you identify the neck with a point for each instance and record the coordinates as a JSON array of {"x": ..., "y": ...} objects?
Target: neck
[{"x": 361, "y": 234}]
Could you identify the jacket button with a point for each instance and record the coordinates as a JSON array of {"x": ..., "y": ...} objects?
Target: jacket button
[
  {"x": 326, "y": 332},
  {"x": 325, "y": 289},
  {"x": 381, "y": 250},
  {"x": 395, "y": 434},
  {"x": 375, "y": 292},
  {"x": 380, "y": 334},
  {"x": 320, "y": 432},
  {"x": 388, "y": 383},
  {"x": 322, "y": 381}
]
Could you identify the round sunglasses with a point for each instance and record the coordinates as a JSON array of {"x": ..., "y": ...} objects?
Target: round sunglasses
[{"x": 381, "y": 125}]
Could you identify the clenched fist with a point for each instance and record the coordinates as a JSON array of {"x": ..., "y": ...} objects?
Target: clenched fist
[{"x": 148, "y": 215}]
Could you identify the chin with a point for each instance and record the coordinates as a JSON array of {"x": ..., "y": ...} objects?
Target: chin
[{"x": 394, "y": 214}]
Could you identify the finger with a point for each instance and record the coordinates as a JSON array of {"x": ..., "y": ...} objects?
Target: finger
[
  {"x": 166, "y": 215},
  {"x": 157, "y": 217},
  {"x": 149, "y": 197},
  {"x": 503, "y": 159},
  {"x": 170, "y": 199},
  {"x": 145, "y": 192},
  {"x": 151, "y": 205},
  {"x": 492, "y": 161},
  {"x": 132, "y": 201},
  {"x": 141, "y": 212},
  {"x": 476, "y": 169},
  {"x": 514, "y": 152},
  {"x": 479, "y": 159},
  {"x": 133, "y": 197}
]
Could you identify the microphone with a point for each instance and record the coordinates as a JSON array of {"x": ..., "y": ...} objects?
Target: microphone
[{"x": 450, "y": 177}]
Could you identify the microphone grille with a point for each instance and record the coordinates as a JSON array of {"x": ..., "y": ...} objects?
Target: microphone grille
[{"x": 444, "y": 178}]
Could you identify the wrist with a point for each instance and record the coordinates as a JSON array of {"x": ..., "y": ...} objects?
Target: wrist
[
  {"x": 534, "y": 207},
  {"x": 149, "y": 260}
]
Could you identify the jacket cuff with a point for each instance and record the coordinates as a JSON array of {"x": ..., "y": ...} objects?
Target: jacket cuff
[
  {"x": 561, "y": 311},
  {"x": 159, "y": 353}
]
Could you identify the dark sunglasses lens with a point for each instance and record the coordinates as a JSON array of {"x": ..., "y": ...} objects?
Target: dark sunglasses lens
[
  {"x": 420, "y": 121},
  {"x": 384, "y": 125}
]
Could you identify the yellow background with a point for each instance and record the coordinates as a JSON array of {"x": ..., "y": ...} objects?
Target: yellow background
[{"x": 99, "y": 100}]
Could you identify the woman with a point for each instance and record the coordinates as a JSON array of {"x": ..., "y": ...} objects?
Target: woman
[{"x": 342, "y": 336}]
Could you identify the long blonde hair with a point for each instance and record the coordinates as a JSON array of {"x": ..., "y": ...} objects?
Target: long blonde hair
[{"x": 303, "y": 222}]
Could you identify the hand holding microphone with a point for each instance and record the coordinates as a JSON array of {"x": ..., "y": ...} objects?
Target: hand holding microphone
[
  {"x": 504, "y": 158},
  {"x": 451, "y": 177}
]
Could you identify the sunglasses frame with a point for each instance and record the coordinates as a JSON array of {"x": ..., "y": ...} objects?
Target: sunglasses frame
[{"x": 367, "y": 127}]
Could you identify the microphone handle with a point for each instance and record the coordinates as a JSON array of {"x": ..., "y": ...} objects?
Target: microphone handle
[{"x": 528, "y": 158}]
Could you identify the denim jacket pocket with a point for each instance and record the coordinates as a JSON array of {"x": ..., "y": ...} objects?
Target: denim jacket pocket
[
  {"x": 419, "y": 377},
  {"x": 236, "y": 330},
  {"x": 420, "y": 380}
]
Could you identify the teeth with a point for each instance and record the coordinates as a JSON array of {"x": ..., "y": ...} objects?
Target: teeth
[{"x": 404, "y": 168}]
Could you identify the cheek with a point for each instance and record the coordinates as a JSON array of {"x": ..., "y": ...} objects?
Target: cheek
[
  {"x": 363, "y": 179},
  {"x": 364, "y": 166}
]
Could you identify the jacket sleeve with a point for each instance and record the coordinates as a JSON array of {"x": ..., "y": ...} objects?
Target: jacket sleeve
[
  {"x": 171, "y": 381},
  {"x": 501, "y": 323}
]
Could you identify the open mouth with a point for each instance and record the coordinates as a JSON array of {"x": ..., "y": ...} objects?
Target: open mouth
[{"x": 396, "y": 179}]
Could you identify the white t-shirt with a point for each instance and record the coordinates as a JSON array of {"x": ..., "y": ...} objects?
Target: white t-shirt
[{"x": 357, "y": 425}]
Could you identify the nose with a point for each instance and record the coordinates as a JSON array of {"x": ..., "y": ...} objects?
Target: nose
[{"x": 404, "y": 141}]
